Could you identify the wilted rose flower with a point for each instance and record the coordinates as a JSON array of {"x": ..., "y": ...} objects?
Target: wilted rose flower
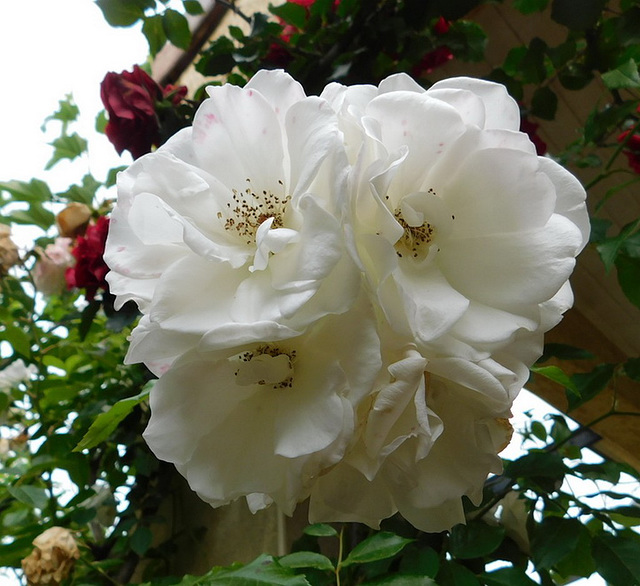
[
  {"x": 465, "y": 235},
  {"x": 90, "y": 269},
  {"x": 9, "y": 255},
  {"x": 131, "y": 99},
  {"x": 50, "y": 268},
  {"x": 234, "y": 223},
  {"x": 631, "y": 149},
  {"x": 52, "y": 559},
  {"x": 73, "y": 220}
]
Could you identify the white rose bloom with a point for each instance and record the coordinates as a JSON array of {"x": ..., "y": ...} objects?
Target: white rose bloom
[
  {"x": 426, "y": 442},
  {"x": 466, "y": 236},
  {"x": 233, "y": 223},
  {"x": 15, "y": 373},
  {"x": 264, "y": 420}
]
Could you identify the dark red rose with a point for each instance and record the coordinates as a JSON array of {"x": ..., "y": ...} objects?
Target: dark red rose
[
  {"x": 631, "y": 149},
  {"x": 439, "y": 56},
  {"x": 90, "y": 270},
  {"x": 442, "y": 26},
  {"x": 531, "y": 128},
  {"x": 131, "y": 99},
  {"x": 432, "y": 60}
]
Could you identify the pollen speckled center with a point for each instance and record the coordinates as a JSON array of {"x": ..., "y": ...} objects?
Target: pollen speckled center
[
  {"x": 415, "y": 240},
  {"x": 250, "y": 208}
]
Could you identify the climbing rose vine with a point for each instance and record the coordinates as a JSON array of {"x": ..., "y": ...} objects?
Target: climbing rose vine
[{"x": 342, "y": 294}]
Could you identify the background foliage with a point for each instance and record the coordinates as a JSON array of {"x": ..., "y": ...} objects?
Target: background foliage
[{"x": 71, "y": 452}]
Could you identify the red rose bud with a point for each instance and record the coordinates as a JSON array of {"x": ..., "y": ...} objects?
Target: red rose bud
[
  {"x": 90, "y": 270},
  {"x": 432, "y": 60},
  {"x": 442, "y": 26},
  {"x": 631, "y": 149},
  {"x": 131, "y": 99}
]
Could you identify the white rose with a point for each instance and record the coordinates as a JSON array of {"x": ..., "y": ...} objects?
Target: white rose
[
  {"x": 234, "y": 223},
  {"x": 466, "y": 236},
  {"x": 426, "y": 443},
  {"x": 264, "y": 420}
]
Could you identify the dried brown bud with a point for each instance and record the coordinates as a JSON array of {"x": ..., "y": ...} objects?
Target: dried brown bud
[
  {"x": 9, "y": 255},
  {"x": 52, "y": 559},
  {"x": 73, "y": 220}
]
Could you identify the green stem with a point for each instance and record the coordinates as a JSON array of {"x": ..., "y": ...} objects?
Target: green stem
[{"x": 340, "y": 553}]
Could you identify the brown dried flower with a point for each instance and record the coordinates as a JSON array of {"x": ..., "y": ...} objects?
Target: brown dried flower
[
  {"x": 9, "y": 255},
  {"x": 73, "y": 220},
  {"x": 52, "y": 559}
]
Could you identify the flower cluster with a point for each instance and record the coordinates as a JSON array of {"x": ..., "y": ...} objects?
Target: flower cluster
[
  {"x": 342, "y": 294},
  {"x": 632, "y": 149},
  {"x": 132, "y": 100}
]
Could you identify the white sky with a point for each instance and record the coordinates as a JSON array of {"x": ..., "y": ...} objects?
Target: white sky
[{"x": 47, "y": 50}]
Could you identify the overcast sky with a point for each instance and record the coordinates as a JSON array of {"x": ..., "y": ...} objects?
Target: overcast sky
[{"x": 47, "y": 50}]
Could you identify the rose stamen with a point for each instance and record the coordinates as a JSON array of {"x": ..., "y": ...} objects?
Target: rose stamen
[
  {"x": 415, "y": 239},
  {"x": 250, "y": 208},
  {"x": 249, "y": 374}
]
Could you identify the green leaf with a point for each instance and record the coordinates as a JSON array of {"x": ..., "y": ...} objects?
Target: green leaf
[
  {"x": 193, "y": 7},
  {"x": 403, "y": 580},
  {"x": 121, "y": 12},
  {"x": 477, "y": 539},
  {"x": 34, "y": 496},
  {"x": 291, "y": 13},
  {"x": 320, "y": 530},
  {"x": 18, "y": 338},
  {"x": 544, "y": 103},
  {"x": 589, "y": 384},
  {"x": 67, "y": 112},
  {"x": 67, "y": 147},
  {"x": 628, "y": 516},
  {"x": 112, "y": 176},
  {"x": 153, "y": 31},
  {"x": 423, "y": 561},
  {"x": 176, "y": 28},
  {"x": 564, "y": 352},
  {"x": 537, "y": 466},
  {"x": 262, "y": 571},
  {"x": 82, "y": 193},
  {"x": 106, "y": 423},
  {"x": 512, "y": 576},
  {"x": 101, "y": 121},
  {"x": 34, "y": 191},
  {"x": 611, "y": 247},
  {"x": 141, "y": 540},
  {"x": 557, "y": 375},
  {"x": 577, "y": 18},
  {"x": 632, "y": 369},
  {"x": 617, "y": 559},
  {"x": 530, "y": 6},
  {"x": 217, "y": 58},
  {"x": 379, "y": 546},
  {"x": 626, "y": 76},
  {"x": 452, "y": 574},
  {"x": 628, "y": 270},
  {"x": 306, "y": 559},
  {"x": 554, "y": 539}
]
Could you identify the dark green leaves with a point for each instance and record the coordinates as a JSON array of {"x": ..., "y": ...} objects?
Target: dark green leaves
[
  {"x": 124, "y": 12},
  {"x": 617, "y": 559},
  {"x": 475, "y": 540},
  {"x": 577, "y": 16},
  {"x": 554, "y": 539}
]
